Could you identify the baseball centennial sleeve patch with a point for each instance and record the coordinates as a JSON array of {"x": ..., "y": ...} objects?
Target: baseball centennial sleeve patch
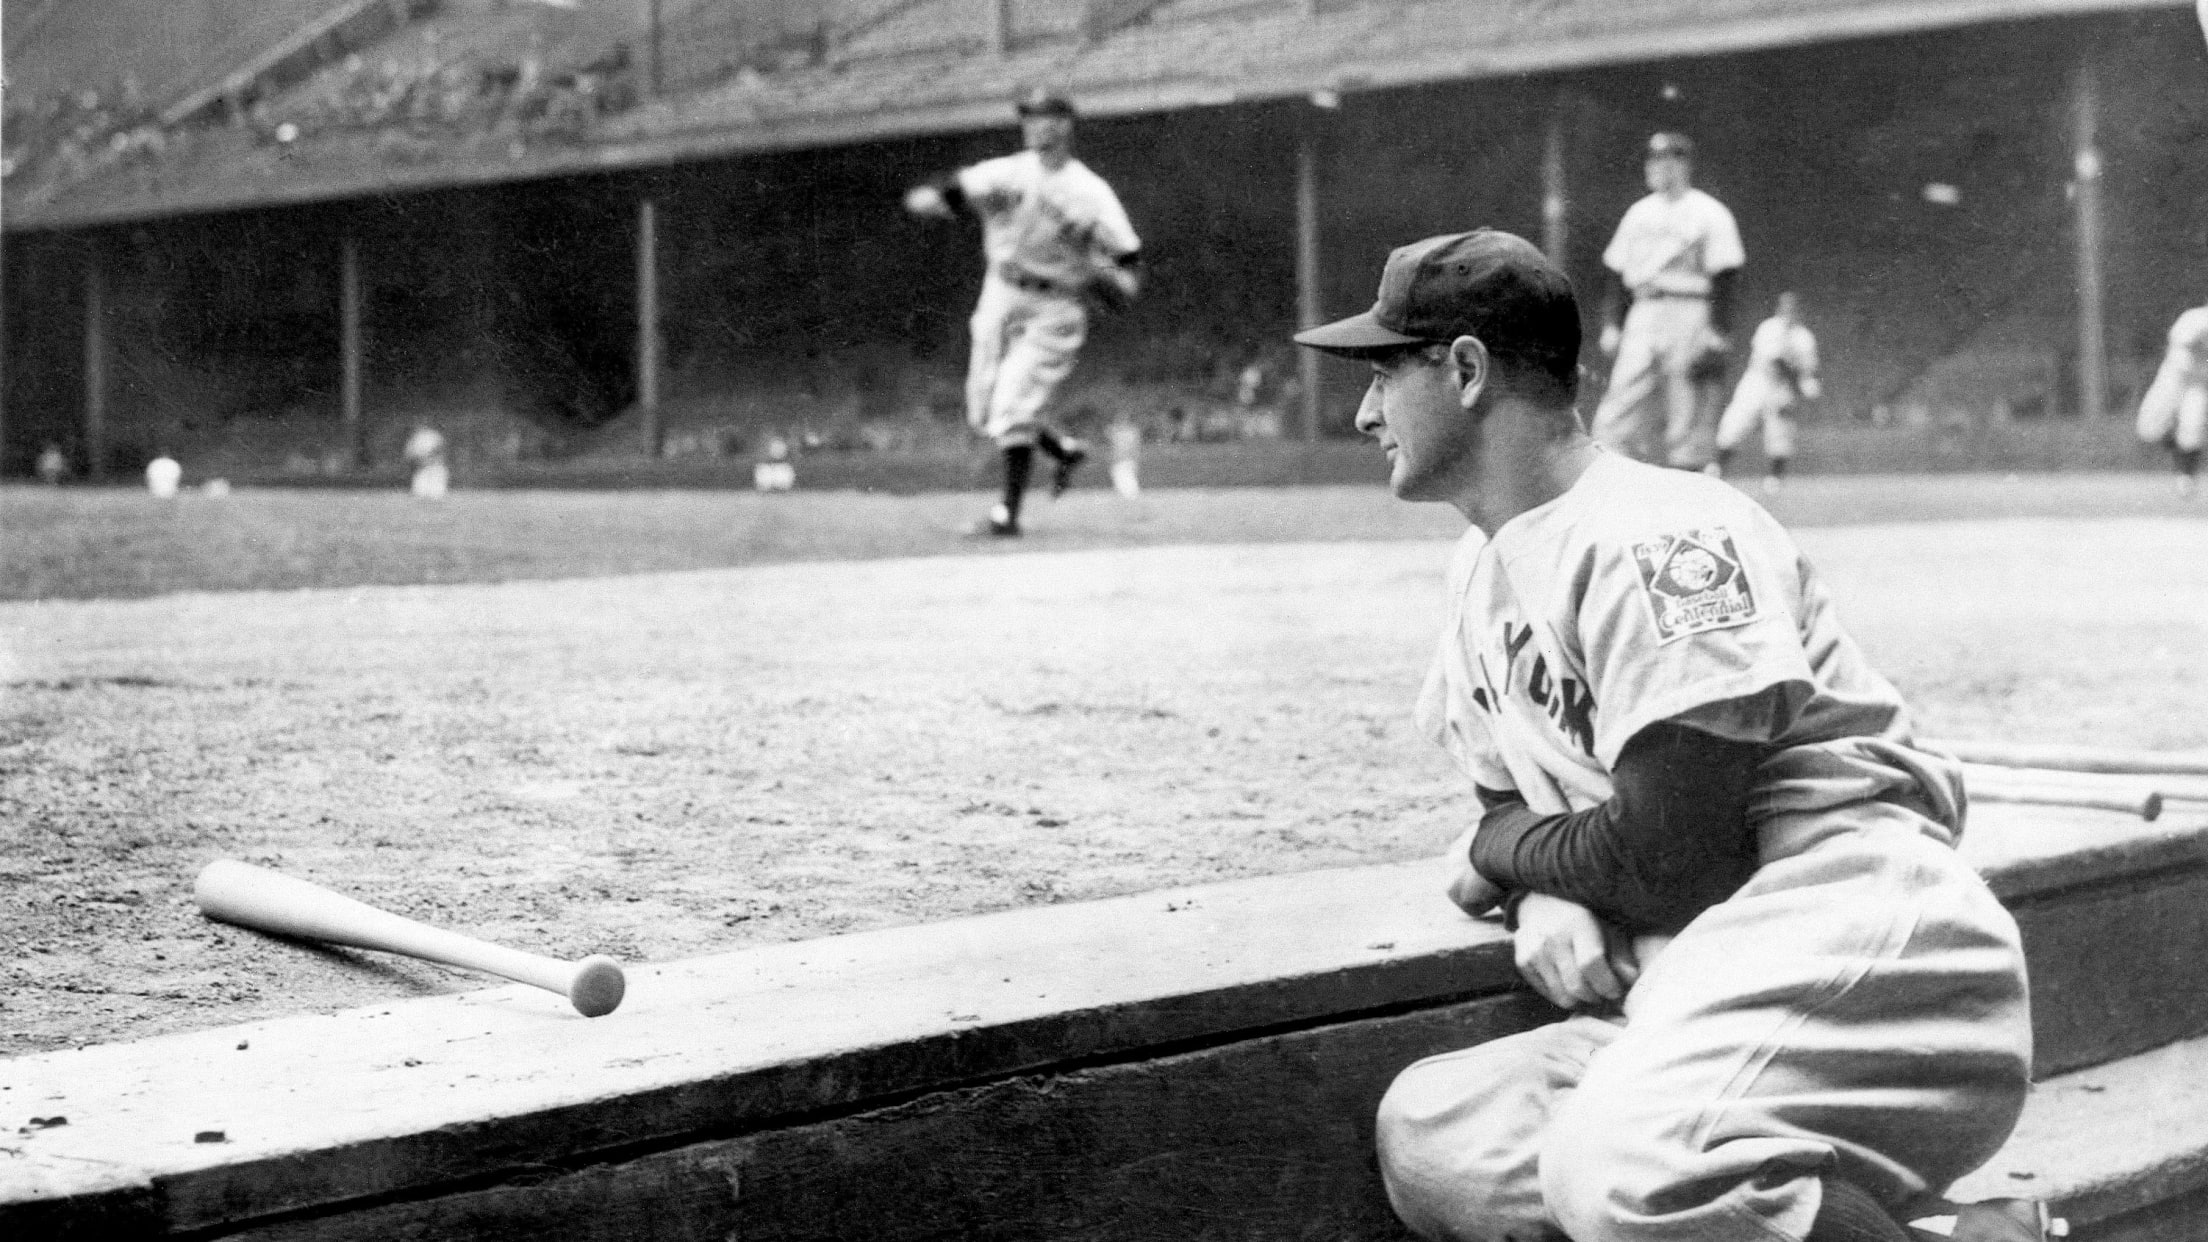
[{"x": 1692, "y": 583}]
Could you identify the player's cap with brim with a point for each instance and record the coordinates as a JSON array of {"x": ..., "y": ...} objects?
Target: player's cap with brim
[
  {"x": 1042, "y": 101},
  {"x": 1669, "y": 143},
  {"x": 1493, "y": 285}
]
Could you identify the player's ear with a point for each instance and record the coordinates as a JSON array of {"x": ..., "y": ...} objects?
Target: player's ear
[{"x": 1469, "y": 357}]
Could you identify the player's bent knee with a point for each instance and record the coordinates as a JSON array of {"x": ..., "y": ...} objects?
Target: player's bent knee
[{"x": 1457, "y": 1138}]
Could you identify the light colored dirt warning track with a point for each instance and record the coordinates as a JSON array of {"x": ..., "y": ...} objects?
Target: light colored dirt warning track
[{"x": 662, "y": 766}]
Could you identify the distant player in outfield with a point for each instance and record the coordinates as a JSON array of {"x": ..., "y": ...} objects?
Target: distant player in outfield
[
  {"x": 1055, "y": 238},
  {"x": 1674, "y": 262},
  {"x": 425, "y": 452},
  {"x": 1794, "y": 1009},
  {"x": 1781, "y": 370},
  {"x": 2174, "y": 413}
]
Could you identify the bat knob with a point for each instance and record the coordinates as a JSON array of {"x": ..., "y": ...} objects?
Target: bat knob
[{"x": 597, "y": 986}]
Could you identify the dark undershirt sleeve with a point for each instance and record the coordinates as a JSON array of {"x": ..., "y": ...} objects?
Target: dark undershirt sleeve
[
  {"x": 1724, "y": 291},
  {"x": 954, "y": 194},
  {"x": 1671, "y": 841}
]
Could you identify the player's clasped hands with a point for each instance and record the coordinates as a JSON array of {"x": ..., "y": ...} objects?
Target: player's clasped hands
[
  {"x": 1569, "y": 956},
  {"x": 1474, "y": 893}
]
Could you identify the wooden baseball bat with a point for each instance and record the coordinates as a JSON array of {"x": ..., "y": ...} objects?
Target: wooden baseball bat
[
  {"x": 2146, "y": 804},
  {"x": 256, "y": 897},
  {"x": 2077, "y": 758},
  {"x": 2174, "y": 789}
]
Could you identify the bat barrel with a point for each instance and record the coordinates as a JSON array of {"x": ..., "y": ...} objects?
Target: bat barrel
[
  {"x": 2146, "y": 804},
  {"x": 256, "y": 897}
]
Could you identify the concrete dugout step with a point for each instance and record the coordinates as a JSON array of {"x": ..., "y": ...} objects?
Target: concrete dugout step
[{"x": 1196, "y": 1063}]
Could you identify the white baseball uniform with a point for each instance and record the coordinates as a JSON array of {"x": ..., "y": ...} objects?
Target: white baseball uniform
[
  {"x": 2176, "y": 405},
  {"x": 426, "y": 449},
  {"x": 1041, "y": 231},
  {"x": 1665, "y": 251},
  {"x": 1782, "y": 365},
  {"x": 1858, "y": 1007}
]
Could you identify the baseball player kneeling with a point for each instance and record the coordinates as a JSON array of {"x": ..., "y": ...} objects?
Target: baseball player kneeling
[
  {"x": 1794, "y": 1010},
  {"x": 1056, "y": 238}
]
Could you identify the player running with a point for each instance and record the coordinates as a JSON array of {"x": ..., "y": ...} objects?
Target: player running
[
  {"x": 1055, "y": 236},
  {"x": 1782, "y": 368},
  {"x": 2174, "y": 411},
  {"x": 1795, "y": 1010},
  {"x": 1675, "y": 257}
]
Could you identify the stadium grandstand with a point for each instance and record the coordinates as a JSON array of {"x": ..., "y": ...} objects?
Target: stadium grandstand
[{"x": 269, "y": 238}]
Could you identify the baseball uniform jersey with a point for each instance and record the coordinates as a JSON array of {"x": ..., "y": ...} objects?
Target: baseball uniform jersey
[
  {"x": 1782, "y": 365},
  {"x": 1042, "y": 232},
  {"x": 1666, "y": 250},
  {"x": 2175, "y": 407},
  {"x": 1808, "y": 1024}
]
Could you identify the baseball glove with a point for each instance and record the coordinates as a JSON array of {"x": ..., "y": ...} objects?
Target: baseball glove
[
  {"x": 1112, "y": 286},
  {"x": 1708, "y": 365}
]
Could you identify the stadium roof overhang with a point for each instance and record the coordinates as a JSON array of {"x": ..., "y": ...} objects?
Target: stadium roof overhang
[{"x": 1175, "y": 60}]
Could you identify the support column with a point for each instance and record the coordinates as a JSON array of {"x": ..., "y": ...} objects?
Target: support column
[
  {"x": 1000, "y": 25},
  {"x": 1555, "y": 198},
  {"x": 348, "y": 347},
  {"x": 1309, "y": 311},
  {"x": 647, "y": 323},
  {"x": 653, "y": 68},
  {"x": 2092, "y": 306},
  {"x": 95, "y": 362}
]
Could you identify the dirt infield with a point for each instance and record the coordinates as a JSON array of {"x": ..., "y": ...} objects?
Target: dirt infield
[{"x": 666, "y": 764}]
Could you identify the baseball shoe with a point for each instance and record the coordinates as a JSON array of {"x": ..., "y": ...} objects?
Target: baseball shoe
[
  {"x": 998, "y": 525},
  {"x": 1062, "y": 477},
  {"x": 2187, "y": 485},
  {"x": 1771, "y": 484}
]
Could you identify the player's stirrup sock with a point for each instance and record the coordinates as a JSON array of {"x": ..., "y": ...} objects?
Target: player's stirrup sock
[
  {"x": 1019, "y": 459},
  {"x": 2188, "y": 462},
  {"x": 1850, "y": 1214},
  {"x": 1778, "y": 467},
  {"x": 1048, "y": 441}
]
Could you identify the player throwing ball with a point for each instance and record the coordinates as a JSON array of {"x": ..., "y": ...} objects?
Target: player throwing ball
[
  {"x": 1793, "y": 1008},
  {"x": 1675, "y": 259},
  {"x": 1055, "y": 238}
]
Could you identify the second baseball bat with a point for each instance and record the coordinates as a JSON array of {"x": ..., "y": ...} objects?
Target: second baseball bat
[
  {"x": 2147, "y": 805},
  {"x": 256, "y": 897},
  {"x": 2077, "y": 758}
]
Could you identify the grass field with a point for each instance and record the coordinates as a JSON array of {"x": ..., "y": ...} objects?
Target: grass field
[{"x": 661, "y": 724}]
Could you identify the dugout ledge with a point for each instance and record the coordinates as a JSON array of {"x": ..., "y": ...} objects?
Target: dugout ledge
[{"x": 1100, "y": 1069}]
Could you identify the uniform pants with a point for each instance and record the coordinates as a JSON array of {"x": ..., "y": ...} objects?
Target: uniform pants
[
  {"x": 1858, "y": 1009},
  {"x": 430, "y": 479},
  {"x": 1761, "y": 401},
  {"x": 1024, "y": 345},
  {"x": 2175, "y": 408},
  {"x": 1657, "y": 347}
]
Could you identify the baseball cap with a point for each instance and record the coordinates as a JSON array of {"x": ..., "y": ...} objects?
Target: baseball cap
[
  {"x": 1042, "y": 101},
  {"x": 1668, "y": 143},
  {"x": 1493, "y": 285}
]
